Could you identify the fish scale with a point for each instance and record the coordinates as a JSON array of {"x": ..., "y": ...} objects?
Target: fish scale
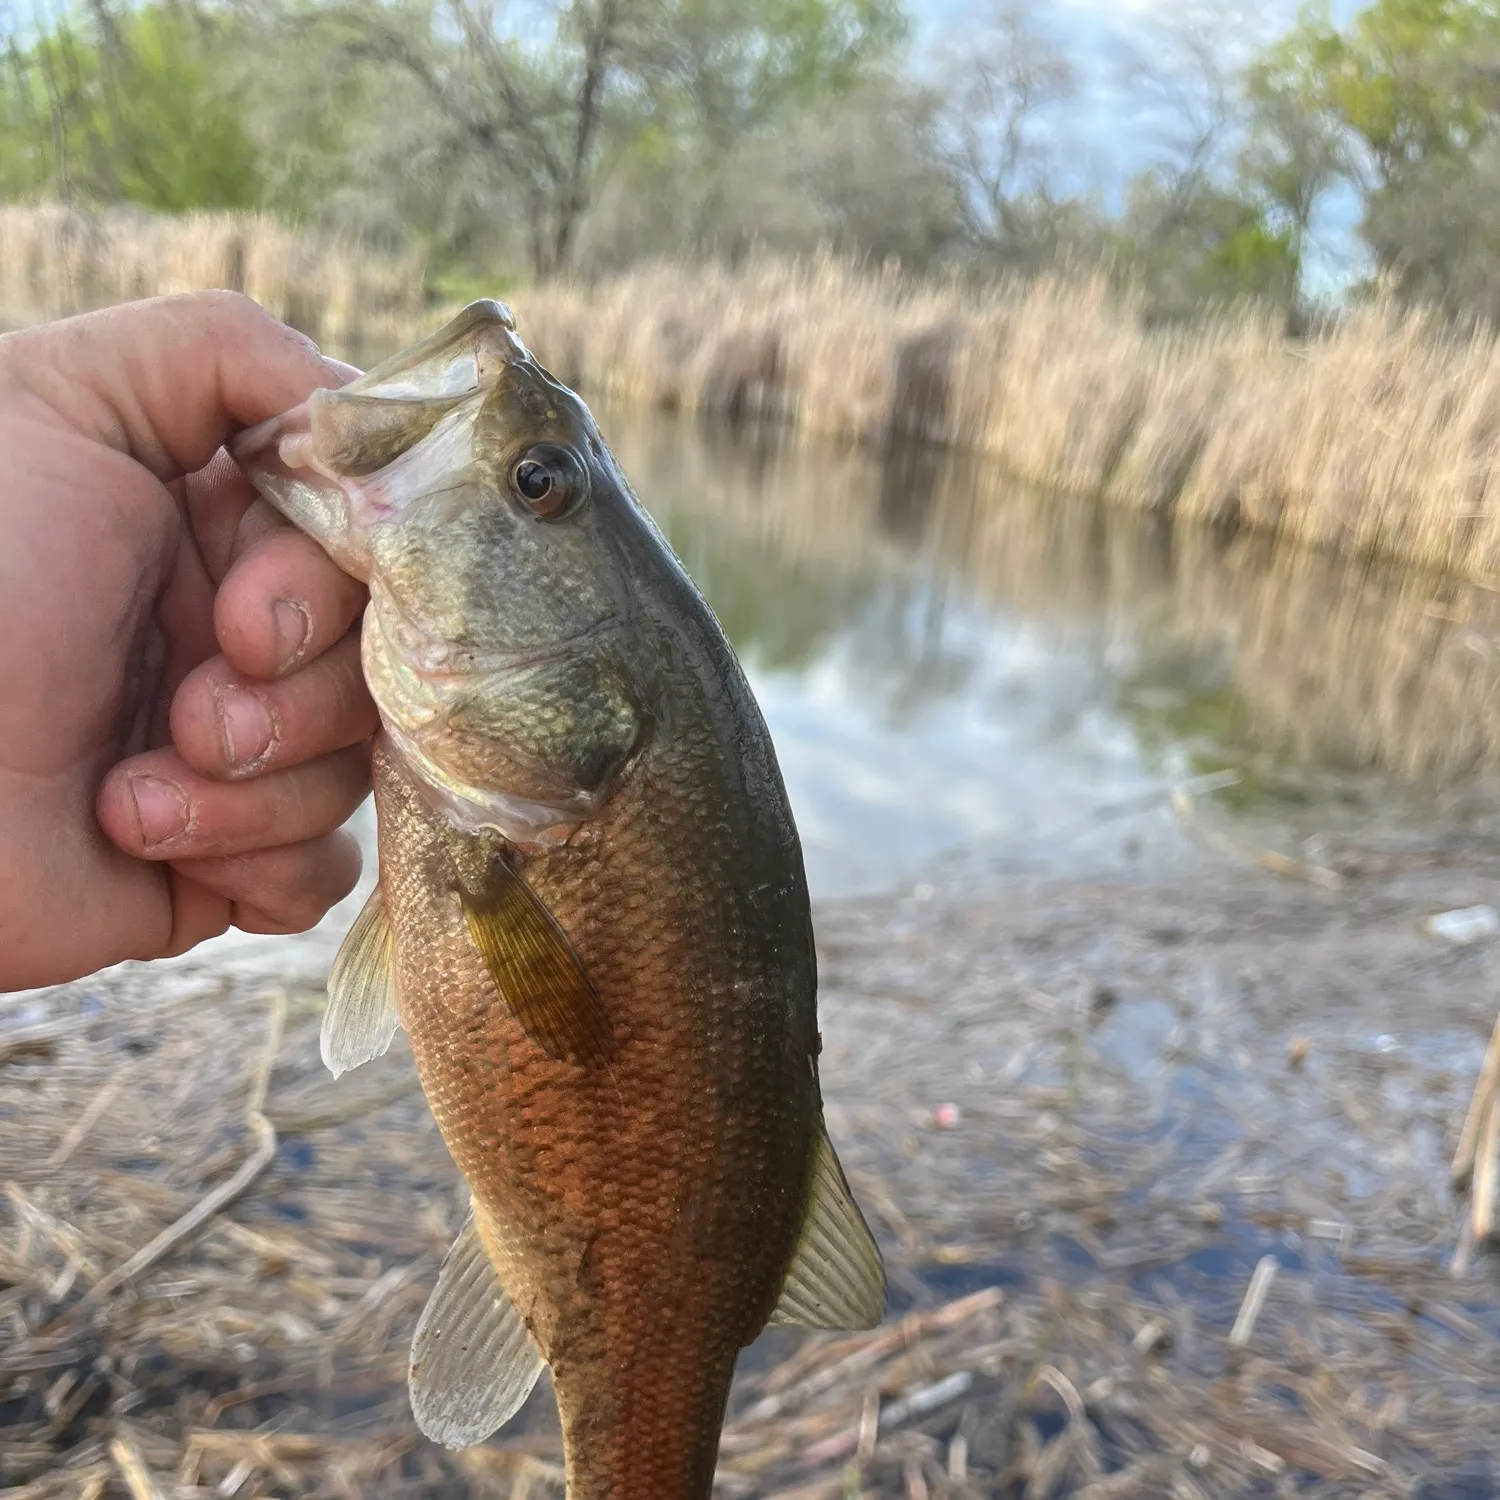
[{"x": 592, "y": 919}]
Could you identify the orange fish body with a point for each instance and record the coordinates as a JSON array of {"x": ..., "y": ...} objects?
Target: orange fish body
[{"x": 592, "y": 919}]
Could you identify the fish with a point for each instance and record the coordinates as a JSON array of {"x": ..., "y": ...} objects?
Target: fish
[{"x": 591, "y": 918}]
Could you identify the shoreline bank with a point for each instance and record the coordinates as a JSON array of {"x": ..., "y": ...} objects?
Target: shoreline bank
[
  {"x": 1378, "y": 436},
  {"x": 1080, "y": 1114}
]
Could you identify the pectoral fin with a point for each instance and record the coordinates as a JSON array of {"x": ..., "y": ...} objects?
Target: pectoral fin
[
  {"x": 837, "y": 1279},
  {"x": 361, "y": 1017},
  {"x": 536, "y": 971},
  {"x": 472, "y": 1361}
]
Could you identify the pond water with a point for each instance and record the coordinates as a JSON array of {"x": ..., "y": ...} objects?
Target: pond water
[
  {"x": 958, "y": 670},
  {"x": 953, "y": 667}
]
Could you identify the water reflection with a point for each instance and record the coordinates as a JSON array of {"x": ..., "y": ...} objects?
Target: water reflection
[
  {"x": 947, "y": 659},
  {"x": 948, "y": 662}
]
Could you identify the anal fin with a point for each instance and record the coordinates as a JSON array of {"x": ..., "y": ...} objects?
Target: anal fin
[
  {"x": 837, "y": 1279},
  {"x": 473, "y": 1363},
  {"x": 538, "y": 975},
  {"x": 361, "y": 1017}
]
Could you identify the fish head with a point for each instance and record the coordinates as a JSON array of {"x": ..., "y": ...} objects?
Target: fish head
[{"x": 471, "y": 491}]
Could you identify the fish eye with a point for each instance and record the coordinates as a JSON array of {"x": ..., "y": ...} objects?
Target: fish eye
[{"x": 549, "y": 479}]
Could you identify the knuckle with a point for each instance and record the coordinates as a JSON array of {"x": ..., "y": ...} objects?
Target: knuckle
[{"x": 234, "y": 307}]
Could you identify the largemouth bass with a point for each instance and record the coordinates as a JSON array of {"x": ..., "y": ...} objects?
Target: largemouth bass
[{"x": 592, "y": 918}]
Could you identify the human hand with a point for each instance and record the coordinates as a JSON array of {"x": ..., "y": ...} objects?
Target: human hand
[{"x": 183, "y": 723}]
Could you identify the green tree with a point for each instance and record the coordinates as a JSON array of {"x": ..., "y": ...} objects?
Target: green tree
[
  {"x": 1401, "y": 103},
  {"x": 127, "y": 104},
  {"x": 1213, "y": 247},
  {"x": 1293, "y": 155}
]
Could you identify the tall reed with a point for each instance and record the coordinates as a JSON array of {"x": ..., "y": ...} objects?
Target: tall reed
[
  {"x": 1379, "y": 435},
  {"x": 56, "y": 260}
]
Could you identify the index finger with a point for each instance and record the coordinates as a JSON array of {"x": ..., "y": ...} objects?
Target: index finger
[{"x": 167, "y": 380}]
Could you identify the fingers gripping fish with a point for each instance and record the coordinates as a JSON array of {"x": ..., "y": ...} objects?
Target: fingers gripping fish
[{"x": 592, "y": 918}]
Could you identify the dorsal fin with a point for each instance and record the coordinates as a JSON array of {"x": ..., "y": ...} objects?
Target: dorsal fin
[
  {"x": 361, "y": 1017},
  {"x": 539, "y": 976},
  {"x": 836, "y": 1278},
  {"x": 473, "y": 1363}
]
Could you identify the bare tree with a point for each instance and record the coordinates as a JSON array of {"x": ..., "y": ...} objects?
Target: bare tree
[
  {"x": 529, "y": 112},
  {"x": 1186, "y": 99},
  {"x": 999, "y": 84}
]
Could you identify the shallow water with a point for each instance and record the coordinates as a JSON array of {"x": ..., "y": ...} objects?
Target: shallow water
[
  {"x": 951, "y": 665},
  {"x": 956, "y": 669}
]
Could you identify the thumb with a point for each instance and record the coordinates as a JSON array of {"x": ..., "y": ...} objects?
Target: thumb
[{"x": 169, "y": 379}]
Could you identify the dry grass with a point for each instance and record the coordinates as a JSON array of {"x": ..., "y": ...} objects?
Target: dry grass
[
  {"x": 1379, "y": 436},
  {"x": 55, "y": 261}
]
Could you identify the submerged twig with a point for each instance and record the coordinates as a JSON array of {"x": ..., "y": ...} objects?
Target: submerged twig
[
  {"x": 1255, "y": 1299},
  {"x": 228, "y": 1190},
  {"x": 1268, "y": 859},
  {"x": 1480, "y": 1107}
]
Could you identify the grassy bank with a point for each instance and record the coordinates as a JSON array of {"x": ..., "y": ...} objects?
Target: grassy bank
[
  {"x": 1379, "y": 435},
  {"x": 55, "y": 261}
]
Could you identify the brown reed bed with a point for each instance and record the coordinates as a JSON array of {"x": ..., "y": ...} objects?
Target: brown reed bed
[
  {"x": 55, "y": 261},
  {"x": 1379, "y": 435}
]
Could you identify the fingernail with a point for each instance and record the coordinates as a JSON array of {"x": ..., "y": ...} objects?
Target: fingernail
[
  {"x": 293, "y": 627},
  {"x": 345, "y": 372},
  {"x": 161, "y": 810},
  {"x": 246, "y": 725}
]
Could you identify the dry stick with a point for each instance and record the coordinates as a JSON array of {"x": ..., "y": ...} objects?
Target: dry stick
[
  {"x": 1195, "y": 786},
  {"x": 89, "y": 1118},
  {"x": 1255, "y": 1299},
  {"x": 138, "y": 1478},
  {"x": 1479, "y": 1108},
  {"x": 1267, "y": 859},
  {"x": 1484, "y": 1176},
  {"x": 210, "y": 1204},
  {"x": 94, "y": 1485}
]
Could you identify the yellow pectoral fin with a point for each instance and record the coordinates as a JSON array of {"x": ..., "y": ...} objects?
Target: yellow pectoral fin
[
  {"x": 361, "y": 1018},
  {"x": 538, "y": 975}
]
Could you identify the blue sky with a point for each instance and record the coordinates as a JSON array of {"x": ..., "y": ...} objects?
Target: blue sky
[{"x": 1111, "y": 133}]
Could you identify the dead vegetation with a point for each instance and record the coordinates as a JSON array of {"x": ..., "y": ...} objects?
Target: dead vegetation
[
  {"x": 55, "y": 261},
  {"x": 1076, "y": 1118},
  {"x": 1380, "y": 435}
]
